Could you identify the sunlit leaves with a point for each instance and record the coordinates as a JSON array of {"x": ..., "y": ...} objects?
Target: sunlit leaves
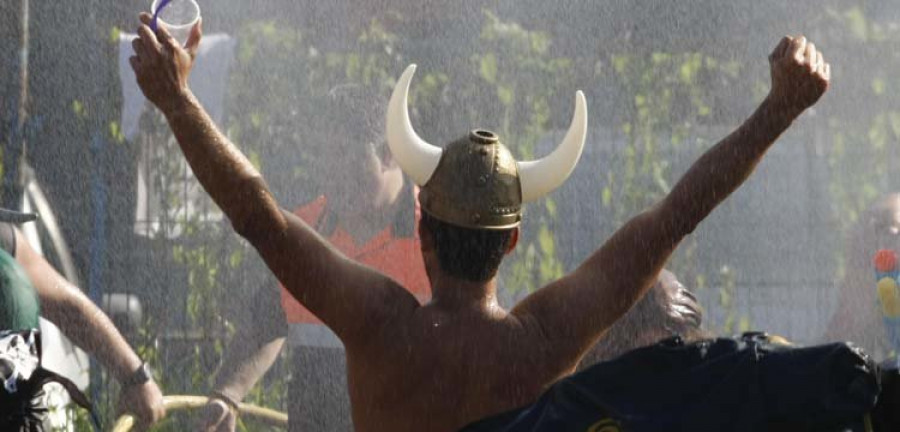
[
  {"x": 488, "y": 68},
  {"x": 551, "y": 269},
  {"x": 856, "y": 22},
  {"x": 115, "y": 132},
  {"x": 879, "y": 86},
  {"x": 78, "y": 109},
  {"x": 672, "y": 95},
  {"x": 114, "y": 34}
]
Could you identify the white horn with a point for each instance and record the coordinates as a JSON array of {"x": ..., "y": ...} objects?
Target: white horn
[
  {"x": 417, "y": 158},
  {"x": 540, "y": 177}
]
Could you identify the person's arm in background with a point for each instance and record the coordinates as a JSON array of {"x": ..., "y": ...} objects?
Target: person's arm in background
[
  {"x": 83, "y": 322},
  {"x": 260, "y": 335},
  {"x": 667, "y": 310}
]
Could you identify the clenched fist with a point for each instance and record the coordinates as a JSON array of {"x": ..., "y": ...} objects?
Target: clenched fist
[{"x": 800, "y": 75}]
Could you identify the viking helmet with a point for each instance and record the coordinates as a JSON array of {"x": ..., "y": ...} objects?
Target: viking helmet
[{"x": 474, "y": 182}]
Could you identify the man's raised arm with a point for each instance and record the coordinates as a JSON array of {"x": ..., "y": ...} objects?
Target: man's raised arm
[
  {"x": 340, "y": 292},
  {"x": 162, "y": 69},
  {"x": 577, "y": 309}
]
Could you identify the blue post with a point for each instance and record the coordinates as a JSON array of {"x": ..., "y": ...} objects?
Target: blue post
[
  {"x": 12, "y": 159},
  {"x": 96, "y": 270}
]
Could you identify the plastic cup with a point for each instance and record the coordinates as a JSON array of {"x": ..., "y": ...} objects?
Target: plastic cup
[{"x": 178, "y": 16}]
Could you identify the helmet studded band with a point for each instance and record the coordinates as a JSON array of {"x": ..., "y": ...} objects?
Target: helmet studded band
[{"x": 475, "y": 182}]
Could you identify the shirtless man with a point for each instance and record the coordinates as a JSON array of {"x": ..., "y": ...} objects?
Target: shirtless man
[{"x": 461, "y": 357}]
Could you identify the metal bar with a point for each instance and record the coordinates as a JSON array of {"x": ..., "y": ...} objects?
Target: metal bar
[
  {"x": 15, "y": 154},
  {"x": 262, "y": 415},
  {"x": 97, "y": 248},
  {"x": 23, "y": 72}
]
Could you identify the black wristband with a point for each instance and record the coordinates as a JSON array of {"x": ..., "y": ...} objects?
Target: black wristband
[
  {"x": 138, "y": 377},
  {"x": 232, "y": 404}
]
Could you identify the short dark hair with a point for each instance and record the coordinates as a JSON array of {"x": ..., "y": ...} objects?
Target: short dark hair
[{"x": 466, "y": 253}]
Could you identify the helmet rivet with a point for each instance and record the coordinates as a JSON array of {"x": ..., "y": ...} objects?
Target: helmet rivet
[
  {"x": 482, "y": 180},
  {"x": 476, "y": 217},
  {"x": 483, "y": 151}
]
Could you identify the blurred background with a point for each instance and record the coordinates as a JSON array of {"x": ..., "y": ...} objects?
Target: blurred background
[{"x": 664, "y": 81}]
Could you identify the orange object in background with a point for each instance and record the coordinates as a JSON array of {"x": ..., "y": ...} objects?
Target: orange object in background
[{"x": 885, "y": 261}]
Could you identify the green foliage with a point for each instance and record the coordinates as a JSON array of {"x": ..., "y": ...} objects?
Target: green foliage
[
  {"x": 861, "y": 145},
  {"x": 518, "y": 68},
  {"x": 666, "y": 116},
  {"x": 511, "y": 83},
  {"x": 661, "y": 120}
]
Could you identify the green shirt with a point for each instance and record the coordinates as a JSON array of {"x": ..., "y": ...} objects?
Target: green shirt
[{"x": 20, "y": 306}]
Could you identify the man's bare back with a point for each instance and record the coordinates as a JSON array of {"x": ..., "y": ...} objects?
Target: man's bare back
[
  {"x": 461, "y": 357},
  {"x": 438, "y": 369}
]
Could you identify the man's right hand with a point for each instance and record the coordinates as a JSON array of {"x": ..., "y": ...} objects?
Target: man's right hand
[
  {"x": 145, "y": 401},
  {"x": 217, "y": 416},
  {"x": 800, "y": 75},
  {"x": 161, "y": 64}
]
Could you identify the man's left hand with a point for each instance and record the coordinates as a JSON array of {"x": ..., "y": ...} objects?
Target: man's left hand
[
  {"x": 162, "y": 65},
  {"x": 145, "y": 402},
  {"x": 800, "y": 75}
]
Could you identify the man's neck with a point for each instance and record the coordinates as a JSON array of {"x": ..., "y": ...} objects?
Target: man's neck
[{"x": 448, "y": 292}]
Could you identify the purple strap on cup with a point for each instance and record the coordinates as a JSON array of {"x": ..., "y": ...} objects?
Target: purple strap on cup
[{"x": 159, "y": 8}]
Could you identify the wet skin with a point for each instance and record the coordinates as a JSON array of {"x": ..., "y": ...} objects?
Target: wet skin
[
  {"x": 443, "y": 365},
  {"x": 440, "y": 369}
]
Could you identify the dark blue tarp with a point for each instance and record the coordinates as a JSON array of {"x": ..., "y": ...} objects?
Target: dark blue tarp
[{"x": 743, "y": 384}]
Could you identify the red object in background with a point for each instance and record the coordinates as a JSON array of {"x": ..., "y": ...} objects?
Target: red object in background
[{"x": 885, "y": 261}]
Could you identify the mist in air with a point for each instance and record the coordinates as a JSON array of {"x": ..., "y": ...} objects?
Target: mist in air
[{"x": 789, "y": 253}]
